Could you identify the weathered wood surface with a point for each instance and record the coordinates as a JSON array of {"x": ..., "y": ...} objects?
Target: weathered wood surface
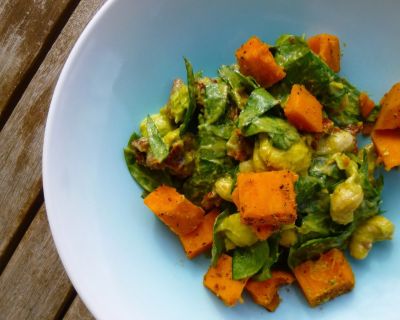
[
  {"x": 78, "y": 311},
  {"x": 33, "y": 284},
  {"x": 26, "y": 29}
]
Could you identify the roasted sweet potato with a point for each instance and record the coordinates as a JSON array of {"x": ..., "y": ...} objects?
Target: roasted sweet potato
[
  {"x": 326, "y": 278},
  {"x": 389, "y": 116},
  {"x": 265, "y": 293},
  {"x": 255, "y": 59},
  {"x": 219, "y": 280},
  {"x": 177, "y": 212},
  {"x": 327, "y": 47},
  {"x": 387, "y": 144},
  {"x": 303, "y": 110},
  {"x": 366, "y": 105},
  {"x": 235, "y": 197},
  {"x": 199, "y": 240},
  {"x": 267, "y": 198}
]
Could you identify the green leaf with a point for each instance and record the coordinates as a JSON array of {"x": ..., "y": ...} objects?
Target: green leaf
[
  {"x": 306, "y": 187},
  {"x": 312, "y": 248},
  {"x": 157, "y": 146},
  {"x": 248, "y": 261},
  {"x": 259, "y": 102},
  {"x": 218, "y": 245},
  {"x": 215, "y": 102},
  {"x": 302, "y": 66},
  {"x": 192, "y": 98},
  {"x": 239, "y": 84},
  {"x": 265, "y": 272},
  {"x": 282, "y": 134}
]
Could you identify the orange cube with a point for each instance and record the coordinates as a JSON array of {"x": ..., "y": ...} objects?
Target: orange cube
[
  {"x": 387, "y": 144},
  {"x": 219, "y": 280},
  {"x": 200, "y": 240},
  {"x": 265, "y": 293},
  {"x": 326, "y": 278},
  {"x": 303, "y": 110},
  {"x": 327, "y": 47},
  {"x": 255, "y": 59},
  {"x": 389, "y": 116},
  {"x": 177, "y": 212},
  {"x": 267, "y": 198},
  {"x": 366, "y": 105}
]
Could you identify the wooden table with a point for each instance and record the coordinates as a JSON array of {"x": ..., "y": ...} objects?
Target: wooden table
[{"x": 36, "y": 37}]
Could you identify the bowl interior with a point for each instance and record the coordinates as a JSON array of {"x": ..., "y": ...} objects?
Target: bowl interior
[{"x": 123, "y": 262}]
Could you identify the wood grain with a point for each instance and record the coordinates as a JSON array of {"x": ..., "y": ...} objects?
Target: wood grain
[
  {"x": 26, "y": 28},
  {"x": 78, "y": 311},
  {"x": 22, "y": 137},
  {"x": 34, "y": 284}
]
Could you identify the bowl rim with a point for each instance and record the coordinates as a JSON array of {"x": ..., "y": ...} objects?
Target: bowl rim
[{"x": 73, "y": 55}]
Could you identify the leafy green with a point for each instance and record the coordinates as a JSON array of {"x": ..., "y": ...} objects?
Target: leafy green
[
  {"x": 312, "y": 248},
  {"x": 306, "y": 187},
  {"x": 282, "y": 134},
  {"x": 259, "y": 102},
  {"x": 192, "y": 98},
  {"x": 218, "y": 244},
  {"x": 239, "y": 84},
  {"x": 248, "y": 261},
  {"x": 157, "y": 146},
  {"x": 302, "y": 66},
  {"x": 327, "y": 171},
  {"x": 178, "y": 101},
  {"x": 374, "y": 114},
  {"x": 265, "y": 272},
  {"x": 215, "y": 102}
]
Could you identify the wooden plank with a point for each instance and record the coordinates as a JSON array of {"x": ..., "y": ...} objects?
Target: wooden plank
[
  {"x": 26, "y": 28},
  {"x": 22, "y": 137},
  {"x": 34, "y": 284},
  {"x": 78, "y": 311}
]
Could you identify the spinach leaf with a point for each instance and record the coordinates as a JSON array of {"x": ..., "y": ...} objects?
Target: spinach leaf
[
  {"x": 282, "y": 134},
  {"x": 265, "y": 272},
  {"x": 218, "y": 245},
  {"x": 312, "y": 248},
  {"x": 215, "y": 102},
  {"x": 259, "y": 102},
  {"x": 327, "y": 171},
  {"x": 239, "y": 84},
  {"x": 157, "y": 146},
  {"x": 306, "y": 187},
  {"x": 192, "y": 99},
  {"x": 248, "y": 261},
  {"x": 146, "y": 178},
  {"x": 302, "y": 66}
]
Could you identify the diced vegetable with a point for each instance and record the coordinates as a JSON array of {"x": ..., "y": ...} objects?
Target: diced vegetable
[
  {"x": 328, "y": 48},
  {"x": 389, "y": 116},
  {"x": 267, "y": 198},
  {"x": 256, "y": 60},
  {"x": 219, "y": 280},
  {"x": 265, "y": 293},
  {"x": 326, "y": 278},
  {"x": 377, "y": 228},
  {"x": 199, "y": 240},
  {"x": 387, "y": 144},
  {"x": 303, "y": 110},
  {"x": 172, "y": 208},
  {"x": 366, "y": 105}
]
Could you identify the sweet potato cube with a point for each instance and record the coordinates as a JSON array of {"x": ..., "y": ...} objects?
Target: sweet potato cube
[
  {"x": 199, "y": 240},
  {"x": 366, "y": 104},
  {"x": 177, "y": 212},
  {"x": 219, "y": 280},
  {"x": 303, "y": 110},
  {"x": 265, "y": 293},
  {"x": 326, "y": 278},
  {"x": 327, "y": 47},
  {"x": 387, "y": 144},
  {"x": 255, "y": 59},
  {"x": 235, "y": 197},
  {"x": 389, "y": 116},
  {"x": 267, "y": 198}
]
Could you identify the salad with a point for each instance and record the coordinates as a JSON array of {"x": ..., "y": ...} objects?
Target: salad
[{"x": 260, "y": 166}]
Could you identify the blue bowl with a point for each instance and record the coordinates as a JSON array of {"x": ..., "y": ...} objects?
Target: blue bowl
[{"x": 123, "y": 262}]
